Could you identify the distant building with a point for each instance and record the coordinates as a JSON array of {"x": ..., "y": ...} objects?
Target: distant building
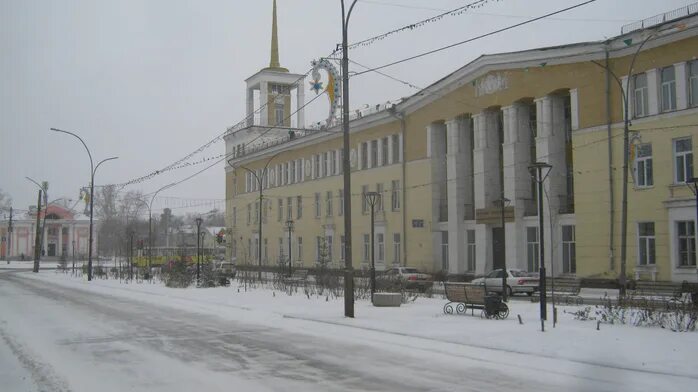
[{"x": 66, "y": 233}]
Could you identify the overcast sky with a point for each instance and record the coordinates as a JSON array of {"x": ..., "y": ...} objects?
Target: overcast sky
[{"x": 150, "y": 81}]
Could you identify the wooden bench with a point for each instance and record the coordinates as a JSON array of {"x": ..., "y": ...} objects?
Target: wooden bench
[
  {"x": 655, "y": 294},
  {"x": 298, "y": 277},
  {"x": 565, "y": 289},
  {"x": 469, "y": 296}
]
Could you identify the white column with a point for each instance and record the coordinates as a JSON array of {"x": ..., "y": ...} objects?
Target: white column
[
  {"x": 681, "y": 86},
  {"x": 653, "y": 90},
  {"x": 264, "y": 103},
  {"x": 574, "y": 108},
  {"x": 300, "y": 101},
  {"x": 457, "y": 165},
  {"x": 70, "y": 240},
  {"x": 44, "y": 232},
  {"x": 59, "y": 245},
  {"x": 550, "y": 147},
  {"x": 250, "y": 107},
  {"x": 517, "y": 183},
  {"x": 379, "y": 155}
]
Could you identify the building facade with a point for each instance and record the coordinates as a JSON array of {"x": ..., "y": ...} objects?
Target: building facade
[
  {"x": 452, "y": 163},
  {"x": 66, "y": 233}
]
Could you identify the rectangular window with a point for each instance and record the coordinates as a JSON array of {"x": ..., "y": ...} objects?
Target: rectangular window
[
  {"x": 693, "y": 83},
  {"x": 342, "y": 249},
  {"x": 470, "y": 237},
  {"x": 328, "y": 248},
  {"x": 279, "y": 113},
  {"x": 683, "y": 160},
  {"x": 532, "y": 248},
  {"x": 249, "y": 213},
  {"x": 235, "y": 216},
  {"x": 299, "y": 207},
  {"x": 395, "y": 195},
  {"x": 374, "y": 153},
  {"x": 316, "y": 166},
  {"x": 265, "y": 249},
  {"x": 364, "y": 202},
  {"x": 289, "y": 208},
  {"x": 282, "y": 255},
  {"x": 385, "y": 147},
  {"x": 396, "y": 148},
  {"x": 668, "y": 87},
  {"x": 380, "y": 241},
  {"x": 397, "y": 248},
  {"x": 569, "y": 251},
  {"x": 280, "y": 209},
  {"x": 379, "y": 190},
  {"x": 299, "y": 256},
  {"x": 340, "y": 153},
  {"x": 364, "y": 155},
  {"x": 340, "y": 206},
  {"x": 646, "y": 241},
  {"x": 643, "y": 165},
  {"x": 293, "y": 172},
  {"x": 323, "y": 165},
  {"x": 317, "y": 205},
  {"x": 318, "y": 249},
  {"x": 687, "y": 241},
  {"x": 299, "y": 170},
  {"x": 249, "y": 248},
  {"x": 333, "y": 162},
  {"x": 328, "y": 203},
  {"x": 256, "y": 212},
  {"x": 367, "y": 247},
  {"x": 641, "y": 98}
]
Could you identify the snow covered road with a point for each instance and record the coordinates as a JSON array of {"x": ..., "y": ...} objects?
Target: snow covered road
[{"x": 58, "y": 338}]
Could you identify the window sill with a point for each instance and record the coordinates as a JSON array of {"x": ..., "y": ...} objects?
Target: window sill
[
  {"x": 686, "y": 267},
  {"x": 643, "y": 187}
]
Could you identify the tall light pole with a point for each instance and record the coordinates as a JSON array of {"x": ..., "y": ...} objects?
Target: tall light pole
[
  {"x": 44, "y": 187},
  {"x": 373, "y": 198},
  {"x": 503, "y": 202},
  {"x": 541, "y": 170},
  {"x": 348, "y": 268},
  {"x": 198, "y": 252},
  {"x": 289, "y": 227},
  {"x": 93, "y": 170},
  {"x": 150, "y": 225},
  {"x": 626, "y": 156},
  {"x": 260, "y": 185}
]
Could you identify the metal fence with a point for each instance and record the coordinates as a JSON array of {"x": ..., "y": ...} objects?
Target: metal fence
[{"x": 661, "y": 18}]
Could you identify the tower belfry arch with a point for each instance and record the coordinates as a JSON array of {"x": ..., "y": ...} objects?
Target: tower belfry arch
[{"x": 275, "y": 86}]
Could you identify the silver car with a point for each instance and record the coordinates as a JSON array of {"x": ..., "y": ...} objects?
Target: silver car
[{"x": 518, "y": 281}]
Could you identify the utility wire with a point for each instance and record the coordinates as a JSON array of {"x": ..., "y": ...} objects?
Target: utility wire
[{"x": 476, "y": 38}]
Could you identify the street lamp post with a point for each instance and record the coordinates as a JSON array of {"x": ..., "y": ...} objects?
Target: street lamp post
[
  {"x": 503, "y": 202},
  {"x": 198, "y": 253},
  {"x": 626, "y": 155},
  {"x": 348, "y": 268},
  {"x": 373, "y": 198},
  {"x": 289, "y": 227},
  {"x": 150, "y": 225},
  {"x": 44, "y": 187},
  {"x": 260, "y": 185},
  {"x": 537, "y": 170},
  {"x": 93, "y": 170}
]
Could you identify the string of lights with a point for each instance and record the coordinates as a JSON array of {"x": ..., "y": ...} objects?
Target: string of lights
[{"x": 454, "y": 12}]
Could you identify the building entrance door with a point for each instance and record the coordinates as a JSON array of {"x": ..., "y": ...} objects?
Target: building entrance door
[
  {"x": 497, "y": 248},
  {"x": 51, "y": 249}
]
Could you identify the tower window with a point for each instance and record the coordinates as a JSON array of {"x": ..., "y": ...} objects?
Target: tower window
[{"x": 279, "y": 113}]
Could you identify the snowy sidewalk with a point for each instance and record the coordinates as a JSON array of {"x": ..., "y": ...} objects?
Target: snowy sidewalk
[{"x": 575, "y": 342}]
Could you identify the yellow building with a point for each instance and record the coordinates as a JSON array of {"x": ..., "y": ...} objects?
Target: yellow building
[{"x": 446, "y": 158}]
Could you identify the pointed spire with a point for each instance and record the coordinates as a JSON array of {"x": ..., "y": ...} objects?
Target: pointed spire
[{"x": 274, "y": 62}]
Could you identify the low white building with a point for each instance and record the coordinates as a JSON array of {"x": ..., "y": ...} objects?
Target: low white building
[{"x": 66, "y": 233}]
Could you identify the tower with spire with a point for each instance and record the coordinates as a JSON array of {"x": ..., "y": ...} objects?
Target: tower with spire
[{"x": 274, "y": 85}]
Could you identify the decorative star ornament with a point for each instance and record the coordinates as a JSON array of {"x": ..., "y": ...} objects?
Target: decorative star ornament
[{"x": 316, "y": 85}]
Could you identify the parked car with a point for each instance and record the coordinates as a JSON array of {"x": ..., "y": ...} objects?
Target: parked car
[
  {"x": 225, "y": 268},
  {"x": 518, "y": 281},
  {"x": 404, "y": 278}
]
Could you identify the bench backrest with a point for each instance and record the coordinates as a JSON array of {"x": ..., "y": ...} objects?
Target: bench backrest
[
  {"x": 567, "y": 285},
  {"x": 475, "y": 294},
  {"x": 659, "y": 288},
  {"x": 455, "y": 292}
]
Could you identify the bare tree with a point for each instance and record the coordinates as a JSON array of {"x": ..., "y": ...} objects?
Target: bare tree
[{"x": 5, "y": 201}]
